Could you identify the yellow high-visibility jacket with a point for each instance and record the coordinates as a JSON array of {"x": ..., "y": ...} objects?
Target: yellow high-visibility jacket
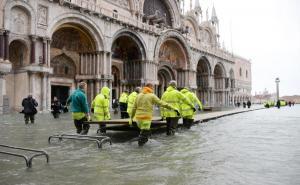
[
  {"x": 185, "y": 109},
  {"x": 143, "y": 105},
  {"x": 101, "y": 105},
  {"x": 131, "y": 100},
  {"x": 123, "y": 98},
  {"x": 173, "y": 97}
]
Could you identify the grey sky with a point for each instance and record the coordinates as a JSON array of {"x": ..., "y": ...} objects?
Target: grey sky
[{"x": 268, "y": 33}]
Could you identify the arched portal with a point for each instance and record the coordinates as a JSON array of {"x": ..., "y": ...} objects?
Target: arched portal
[
  {"x": 18, "y": 54},
  {"x": 128, "y": 54},
  {"x": 219, "y": 85},
  {"x": 165, "y": 75},
  {"x": 157, "y": 12},
  {"x": 116, "y": 81},
  {"x": 173, "y": 55},
  {"x": 203, "y": 74},
  {"x": 17, "y": 87},
  {"x": 73, "y": 54}
]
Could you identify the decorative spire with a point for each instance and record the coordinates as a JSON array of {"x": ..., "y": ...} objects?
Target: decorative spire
[
  {"x": 214, "y": 18},
  {"x": 207, "y": 16},
  {"x": 198, "y": 10},
  {"x": 197, "y": 3},
  {"x": 191, "y": 4}
]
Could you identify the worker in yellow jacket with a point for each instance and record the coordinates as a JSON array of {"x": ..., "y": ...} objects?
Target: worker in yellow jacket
[
  {"x": 123, "y": 100},
  {"x": 143, "y": 109},
  {"x": 101, "y": 107},
  {"x": 173, "y": 97},
  {"x": 187, "y": 112},
  {"x": 131, "y": 100}
]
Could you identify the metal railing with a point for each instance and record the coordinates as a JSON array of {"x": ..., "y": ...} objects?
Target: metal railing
[
  {"x": 100, "y": 140},
  {"x": 28, "y": 160}
]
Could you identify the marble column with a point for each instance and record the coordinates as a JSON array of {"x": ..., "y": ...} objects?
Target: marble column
[
  {"x": 33, "y": 46},
  {"x": 2, "y": 50},
  {"x": 31, "y": 83},
  {"x": 92, "y": 90},
  {"x": 97, "y": 87},
  {"x": 2, "y": 92},
  {"x": 48, "y": 52},
  {"x": 44, "y": 50},
  {"x": 6, "y": 45},
  {"x": 44, "y": 91}
]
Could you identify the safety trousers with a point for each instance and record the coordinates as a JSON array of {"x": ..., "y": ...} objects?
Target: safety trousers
[
  {"x": 172, "y": 123},
  {"x": 187, "y": 123},
  {"x": 123, "y": 110},
  {"x": 81, "y": 127},
  {"x": 145, "y": 132}
]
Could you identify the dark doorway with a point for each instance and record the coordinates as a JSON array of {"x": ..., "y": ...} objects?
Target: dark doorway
[
  {"x": 114, "y": 94},
  {"x": 61, "y": 92}
]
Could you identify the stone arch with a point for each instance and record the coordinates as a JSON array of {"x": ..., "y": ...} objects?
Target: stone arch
[
  {"x": 206, "y": 64},
  {"x": 73, "y": 37},
  {"x": 128, "y": 55},
  {"x": 135, "y": 37},
  {"x": 203, "y": 73},
  {"x": 219, "y": 70},
  {"x": 73, "y": 18},
  {"x": 207, "y": 36},
  {"x": 63, "y": 66},
  {"x": 164, "y": 75},
  {"x": 116, "y": 74},
  {"x": 195, "y": 26},
  {"x": 26, "y": 8},
  {"x": 219, "y": 74},
  {"x": 179, "y": 39},
  {"x": 171, "y": 7},
  {"x": 18, "y": 53}
]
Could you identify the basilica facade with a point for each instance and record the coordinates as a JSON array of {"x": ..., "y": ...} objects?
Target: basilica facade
[{"x": 48, "y": 46}]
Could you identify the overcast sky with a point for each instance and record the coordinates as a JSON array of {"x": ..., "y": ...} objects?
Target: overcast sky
[{"x": 268, "y": 33}]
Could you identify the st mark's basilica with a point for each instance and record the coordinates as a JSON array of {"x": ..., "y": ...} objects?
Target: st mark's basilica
[{"x": 48, "y": 46}]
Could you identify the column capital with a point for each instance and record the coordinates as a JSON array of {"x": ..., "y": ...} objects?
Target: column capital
[
  {"x": 45, "y": 39},
  {"x": 7, "y": 32},
  {"x": 2, "y": 32},
  {"x": 33, "y": 38}
]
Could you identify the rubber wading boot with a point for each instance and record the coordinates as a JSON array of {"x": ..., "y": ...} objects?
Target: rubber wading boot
[
  {"x": 84, "y": 132},
  {"x": 143, "y": 137}
]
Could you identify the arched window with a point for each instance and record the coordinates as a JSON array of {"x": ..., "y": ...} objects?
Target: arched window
[
  {"x": 240, "y": 71},
  {"x": 246, "y": 73}
]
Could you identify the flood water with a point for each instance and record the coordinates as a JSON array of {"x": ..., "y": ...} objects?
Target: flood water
[{"x": 260, "y": 148}]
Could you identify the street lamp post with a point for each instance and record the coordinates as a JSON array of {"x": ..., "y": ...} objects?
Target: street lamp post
[{"x": 277, "y": 88}]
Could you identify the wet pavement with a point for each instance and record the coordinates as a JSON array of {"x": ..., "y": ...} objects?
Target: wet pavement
[{"x": 260, "y": 147}]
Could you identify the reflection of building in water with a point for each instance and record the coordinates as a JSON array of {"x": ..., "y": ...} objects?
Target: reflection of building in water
[{"x": 47, "y": 47}]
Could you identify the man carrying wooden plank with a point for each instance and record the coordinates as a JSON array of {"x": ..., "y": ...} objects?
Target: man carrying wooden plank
[
  {"x": 101, "y": 107},
  {"x": 143, "y": 111}
]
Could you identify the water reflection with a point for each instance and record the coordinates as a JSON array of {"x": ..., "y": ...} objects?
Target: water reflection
[{"x": 260, "y": 147}]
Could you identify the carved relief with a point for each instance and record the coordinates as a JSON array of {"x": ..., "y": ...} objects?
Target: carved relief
[
  {"x": 157, "y": 11},
  {"x": 19, "y": 21},
  {"x": 42, "y": 15}
]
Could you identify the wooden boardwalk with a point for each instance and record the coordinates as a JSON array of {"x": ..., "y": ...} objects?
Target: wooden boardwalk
[{"x": 122, "y": 124}]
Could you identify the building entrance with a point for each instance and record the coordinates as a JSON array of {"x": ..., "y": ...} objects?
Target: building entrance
[{"x": 61, "y": 92}]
